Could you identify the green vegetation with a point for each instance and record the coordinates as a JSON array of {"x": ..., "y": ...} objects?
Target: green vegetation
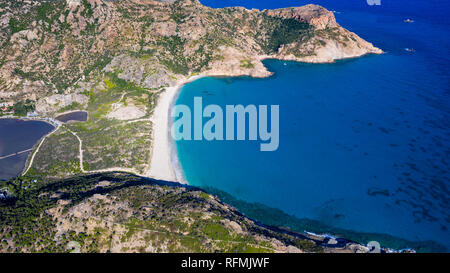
[
  {"x": 2, "y": 62},
  {"x": 107, "y": 143},
  {"x": 74, "y": 106},
  {"x": 28, "y": 75},
  {"x": 87, "y": 9},
  {"x": 286, "y": 31},
  {"x": 17, "y": 25},
  {"x": 99, "y": 63},
  {"x": 43, "y": 12},
  {"x": 120, "y": 144},
  {"x": 178, "y": 17},
  {"x": 109, "y": 84},
  {"x": 175, "y": 61},
  {"x": 58, "y": 156},
  {"x": 22, "y": 108},
  {"x": 247, "y": 64},
  {"x": 117, "y": 84},
  {"x": 134, "y": 214},
  {"x": 23, "y": 222}
]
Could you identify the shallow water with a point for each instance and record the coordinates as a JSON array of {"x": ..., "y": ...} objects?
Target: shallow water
[
  {"x": 364, "y": 143},
  {"x": 16, "y": 136}
]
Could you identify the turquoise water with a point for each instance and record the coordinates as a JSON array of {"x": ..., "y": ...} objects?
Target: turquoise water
[{"x": 364, "y": 143}]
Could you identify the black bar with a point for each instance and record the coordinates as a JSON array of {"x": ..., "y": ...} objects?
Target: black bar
[{"x": 224, "y": 262}]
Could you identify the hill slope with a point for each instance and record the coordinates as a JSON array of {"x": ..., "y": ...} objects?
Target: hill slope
[
  {"x": 66, "y": 47},
  {"x": 117, "y": 212}
]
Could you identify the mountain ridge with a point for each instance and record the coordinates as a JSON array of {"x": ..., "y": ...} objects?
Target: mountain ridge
[
  {"x": 119, "y": 212},
  {"x": 54, "y": 47}
]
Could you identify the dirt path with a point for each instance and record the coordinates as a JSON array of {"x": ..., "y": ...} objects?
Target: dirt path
[
  {"x": 80, "y": 149},
  {"x": 116, "y": 105},
  {"x": 30, "y": 163},
  {"x": 113, "y": 169},
  {"x": 138, "y": 120}
]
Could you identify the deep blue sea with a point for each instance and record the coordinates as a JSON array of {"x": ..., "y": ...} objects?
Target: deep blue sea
[
  {"x": 15, "y": 136},
  {"x": 364, "y": 143}
]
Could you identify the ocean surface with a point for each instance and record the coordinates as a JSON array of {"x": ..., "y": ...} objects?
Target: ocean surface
[
  {"x": 15, "y": 136},
  {"x": 364, "y": 143}
]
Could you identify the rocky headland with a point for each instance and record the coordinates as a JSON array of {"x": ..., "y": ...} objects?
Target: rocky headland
[{"x": 53, "y": 52}]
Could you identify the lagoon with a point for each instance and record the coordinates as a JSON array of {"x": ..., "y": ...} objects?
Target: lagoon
[
  {"x": 18, "y": 135},
  {"x": 75, "y": 116}
]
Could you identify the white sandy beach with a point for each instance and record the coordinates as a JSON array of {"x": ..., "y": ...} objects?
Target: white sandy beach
[{"x": 161, "y": 166}]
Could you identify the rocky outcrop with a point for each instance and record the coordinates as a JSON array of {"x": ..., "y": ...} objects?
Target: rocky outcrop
[
  {"x": 147, "y": 73},
  {"x": 331, "y": 41},
  {"x": 314, "y": 15},
  {"x": 235, "y": 63},
  {"x": 153, "y": 44},
  {"x": 52, "y": 103}
]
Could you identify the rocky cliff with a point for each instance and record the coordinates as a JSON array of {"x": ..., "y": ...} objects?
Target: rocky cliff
[{"x": 67, "y": 47}]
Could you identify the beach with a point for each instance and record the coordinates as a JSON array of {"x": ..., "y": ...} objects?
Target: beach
[{"x": 164, "y": 163}]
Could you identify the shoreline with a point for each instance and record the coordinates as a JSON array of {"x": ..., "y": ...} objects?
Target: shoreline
[
  {"x": 50, "y": 121},
  {"x": 36, "y": 145},
  {"x": 164, "y": 163},
  {"x": 57, "y": 115}
]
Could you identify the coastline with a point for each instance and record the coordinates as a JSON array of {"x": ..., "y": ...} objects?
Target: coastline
[
  {"x": 26, "y": 167},
  {"x": 164, "y": 164},
  {"x": 50, "y": 121},
  {"x": 58, "y": 115}
]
